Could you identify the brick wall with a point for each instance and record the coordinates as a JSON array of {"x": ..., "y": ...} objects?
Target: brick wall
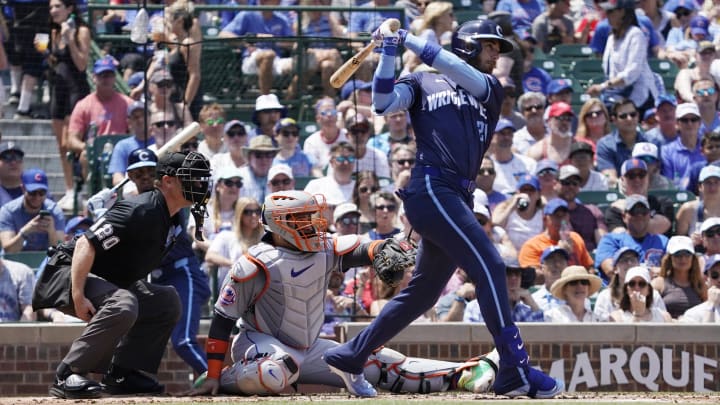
[{"x": 587, "y": 357}]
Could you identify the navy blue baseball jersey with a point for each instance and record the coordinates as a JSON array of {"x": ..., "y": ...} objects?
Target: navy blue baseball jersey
[{"x": 453, "y": 128}]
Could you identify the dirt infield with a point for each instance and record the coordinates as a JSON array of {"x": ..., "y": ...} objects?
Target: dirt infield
[{"x": 388, "y": 399}]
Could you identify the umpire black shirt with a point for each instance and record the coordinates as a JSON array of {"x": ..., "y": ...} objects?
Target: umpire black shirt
[{"x": 131, "y": 239}]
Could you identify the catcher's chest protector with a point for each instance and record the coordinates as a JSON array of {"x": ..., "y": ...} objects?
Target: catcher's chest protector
[{"x": 292, "y": 308}]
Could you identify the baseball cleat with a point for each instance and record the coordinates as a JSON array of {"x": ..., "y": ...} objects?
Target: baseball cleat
[
  {"x": 75, "y": 386},
  {"x": 132, "y": 382},
  {"x": 356, "y": 384},
  {"x": 535, "y": 384}
]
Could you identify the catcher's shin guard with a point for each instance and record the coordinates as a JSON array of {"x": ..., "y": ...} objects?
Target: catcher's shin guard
[
  {"x": 266, "y": 374},
  {"x": 393, "y": 371}
]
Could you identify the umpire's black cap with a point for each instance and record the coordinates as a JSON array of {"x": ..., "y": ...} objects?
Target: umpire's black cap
[{"x": 169, "y": 164}]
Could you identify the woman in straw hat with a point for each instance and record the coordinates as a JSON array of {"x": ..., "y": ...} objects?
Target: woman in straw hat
[{"x": 574, "y": 286}]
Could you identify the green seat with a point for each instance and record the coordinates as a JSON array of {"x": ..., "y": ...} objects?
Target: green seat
[
  {"x": 585, "y": 67},
  {"x": 307, "y": 128},
  {"x": 302, "y": 181},
  {"x": 666, "y": 69},
  {"x": 677, "y": 196},
  {"x": 31, "y": 258},
  {"x": 599, "y": 197},
  {"x": 463, "y": 16},
  {"x": 98, "y": 155}
]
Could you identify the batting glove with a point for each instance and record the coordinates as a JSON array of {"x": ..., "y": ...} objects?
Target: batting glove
[{"x": 100, "y": 202}]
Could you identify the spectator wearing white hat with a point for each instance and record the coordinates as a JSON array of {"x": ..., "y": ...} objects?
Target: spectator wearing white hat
[
  {"x": 708, "y": 311},
  {"x": 679, "y": 155},
  {"x": 346, "y": 218},
  {"x": 680, "y": 283},
  {"x": 710, "y": 237},
  {"x": 637, "y": 302},
  {"x": 547, "y": 173},
  {"x": 235, "y": 138},
  {"x": 268, "y": 111},
  {"x": 280, "y": 178},
  {"x": 585, "y": 219},
  {"x": 648, "y": 153},
  {"x": 691, "y": 214}
]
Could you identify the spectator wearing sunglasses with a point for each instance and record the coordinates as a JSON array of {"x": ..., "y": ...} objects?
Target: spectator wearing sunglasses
[
  {"x": 637, "y": 302},
  {"x": 280, "y": 178},
  {"x": 556, "y": 147},
  {"x": 32, "y": 221},
  {"x": 317, "y": 145},
  {"x": 532, "y": 106},
  {"x": 648, "y": 153},
  {"x": 615, "y": 148},
  {"x": 509, "y": 165},
  {"x": 11, "y": 168},
  {"x": 337, "y": 186},
  {"x": 585, "y": 219},
  {"x": 680, "y": 283},
  {"x": 547, "y": 173},
  {"x": 710, "y": 147},
  {"x": 359, "y": 130},
  {"x": 268, "y": 111},
  {"x": 235, "y": 138},
  {"x": 287, "y": 136},
  {"x": 582, "y": 157},
  {"x": 229, "y": 245},
  {"x": 366, "y": 184},
  {"x": 162, "y": 128},
  {"x": 402, "y": 160},
  {"x": 346, "y": 218},
  {"x": 385, "y": 206},
  {"x": 212, "y": 126},
  {"x": 574, "y": 286},
  {"x": 704, "y": 68},
  {"x": 161, "y": 93},
  {"x": 705, "y": 95},
  {"x": 636, "y": 217},
  {"x": 260, "y": 154},
  {"x": 485, "y": 180},
  {"x": 708, "y": 311},
  {"x": 679, "y": 155},
  {"x": 635, "y": 180}
]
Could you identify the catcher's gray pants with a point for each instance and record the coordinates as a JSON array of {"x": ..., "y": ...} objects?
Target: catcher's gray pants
[{"x": 131, "y": 327}]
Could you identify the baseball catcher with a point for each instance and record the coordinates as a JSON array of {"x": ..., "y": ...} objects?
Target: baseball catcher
[{"x": 277, "y": 290}]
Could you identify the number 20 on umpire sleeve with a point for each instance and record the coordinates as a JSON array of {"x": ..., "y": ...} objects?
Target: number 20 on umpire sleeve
[{"x": 104, "y": 232}]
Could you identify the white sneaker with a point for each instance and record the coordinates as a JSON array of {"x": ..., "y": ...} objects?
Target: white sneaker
[{"x": 356, "y": 384}]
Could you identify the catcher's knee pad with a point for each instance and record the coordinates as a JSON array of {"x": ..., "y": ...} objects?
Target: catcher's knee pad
[
  {"x": 393, "y": 371},
  {"x": 265, "y": 375}
]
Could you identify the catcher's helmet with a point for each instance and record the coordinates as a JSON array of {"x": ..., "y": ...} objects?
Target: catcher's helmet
[
  {"x": 466, "y": 38},
  {"x": 297, "y": 217}
]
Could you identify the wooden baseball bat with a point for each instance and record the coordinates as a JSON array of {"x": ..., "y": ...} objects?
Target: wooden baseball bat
[{"x": 351, "y": 65}]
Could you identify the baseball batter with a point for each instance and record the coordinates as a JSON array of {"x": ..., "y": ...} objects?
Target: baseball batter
[
  {"x": 454, "y": 114},
  {"x": 277, "y": 290}
]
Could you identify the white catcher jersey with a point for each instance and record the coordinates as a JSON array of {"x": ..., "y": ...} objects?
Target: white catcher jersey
[{"x": 280, "y": 291}]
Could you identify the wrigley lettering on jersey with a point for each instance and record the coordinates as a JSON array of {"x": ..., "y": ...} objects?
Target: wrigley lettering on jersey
[{"x": 446, "y": 97}]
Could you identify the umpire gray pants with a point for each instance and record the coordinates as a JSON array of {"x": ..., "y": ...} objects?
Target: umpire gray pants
[{"x": 131, "y": 327}]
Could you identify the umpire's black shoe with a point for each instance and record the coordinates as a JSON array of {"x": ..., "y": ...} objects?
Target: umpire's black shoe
[
  {"x": 131, "y": 382},
  {"x": 75, "y": 386}
]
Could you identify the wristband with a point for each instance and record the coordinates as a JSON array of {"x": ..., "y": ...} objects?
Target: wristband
[{"x": 215, "y": 349}]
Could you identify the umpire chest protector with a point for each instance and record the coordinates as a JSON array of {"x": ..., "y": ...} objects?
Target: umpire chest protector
[{"x": 292, "y": 306}]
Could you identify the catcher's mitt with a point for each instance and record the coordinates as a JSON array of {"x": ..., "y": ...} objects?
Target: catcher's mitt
[{"x": 391, "y": 260}]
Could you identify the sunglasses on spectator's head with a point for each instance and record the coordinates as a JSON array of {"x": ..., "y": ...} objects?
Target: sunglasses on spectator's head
[
  {"x": 216, "y": 121},
  {"x": 648, "y": 159}
]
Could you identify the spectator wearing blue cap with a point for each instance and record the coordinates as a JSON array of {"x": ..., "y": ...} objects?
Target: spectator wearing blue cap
[
  {"x": 521, "y": 215},
  {"x": 287, "y": 135},
  {"x": 102, "y": 112},
  {"x": 666, "y": 129},
  {"x": 691, "y": 214},
  {"x": 615, "y": 148},
  {"x": 557, "y": 232},
  {"x": 559, "y": 90},
  {"x": 636, "y": 217},
  {"x": 137, "y": 116},
  {"x": 682, "y": 40},
  {"x": 11, "y": 168},
  {"x": 32, "y": 221},
  {"x": 709, "y": 310},
  {"x": 679, "y": 155},
  {"x": 710, "y": 145},
  {"x": 317, "y": 145},
  {"x": 553, "y": 26},
  {"x": 509, "y": 166},
  {"x": 553, "y": 261}
]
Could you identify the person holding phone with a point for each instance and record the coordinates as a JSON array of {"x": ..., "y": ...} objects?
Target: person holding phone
[{"x": 32, "y": 221}]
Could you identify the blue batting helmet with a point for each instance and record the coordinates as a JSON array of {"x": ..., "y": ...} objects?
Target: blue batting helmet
[{"x": 466, "y": 38}]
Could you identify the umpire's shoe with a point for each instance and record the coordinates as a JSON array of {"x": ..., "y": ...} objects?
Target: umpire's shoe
[
  {"x": 75, "y": 386},
  {"x": 121, "y": 381}
]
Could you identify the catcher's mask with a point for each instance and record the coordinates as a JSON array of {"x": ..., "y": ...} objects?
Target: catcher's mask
[{"x": 297, "y": 217}]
